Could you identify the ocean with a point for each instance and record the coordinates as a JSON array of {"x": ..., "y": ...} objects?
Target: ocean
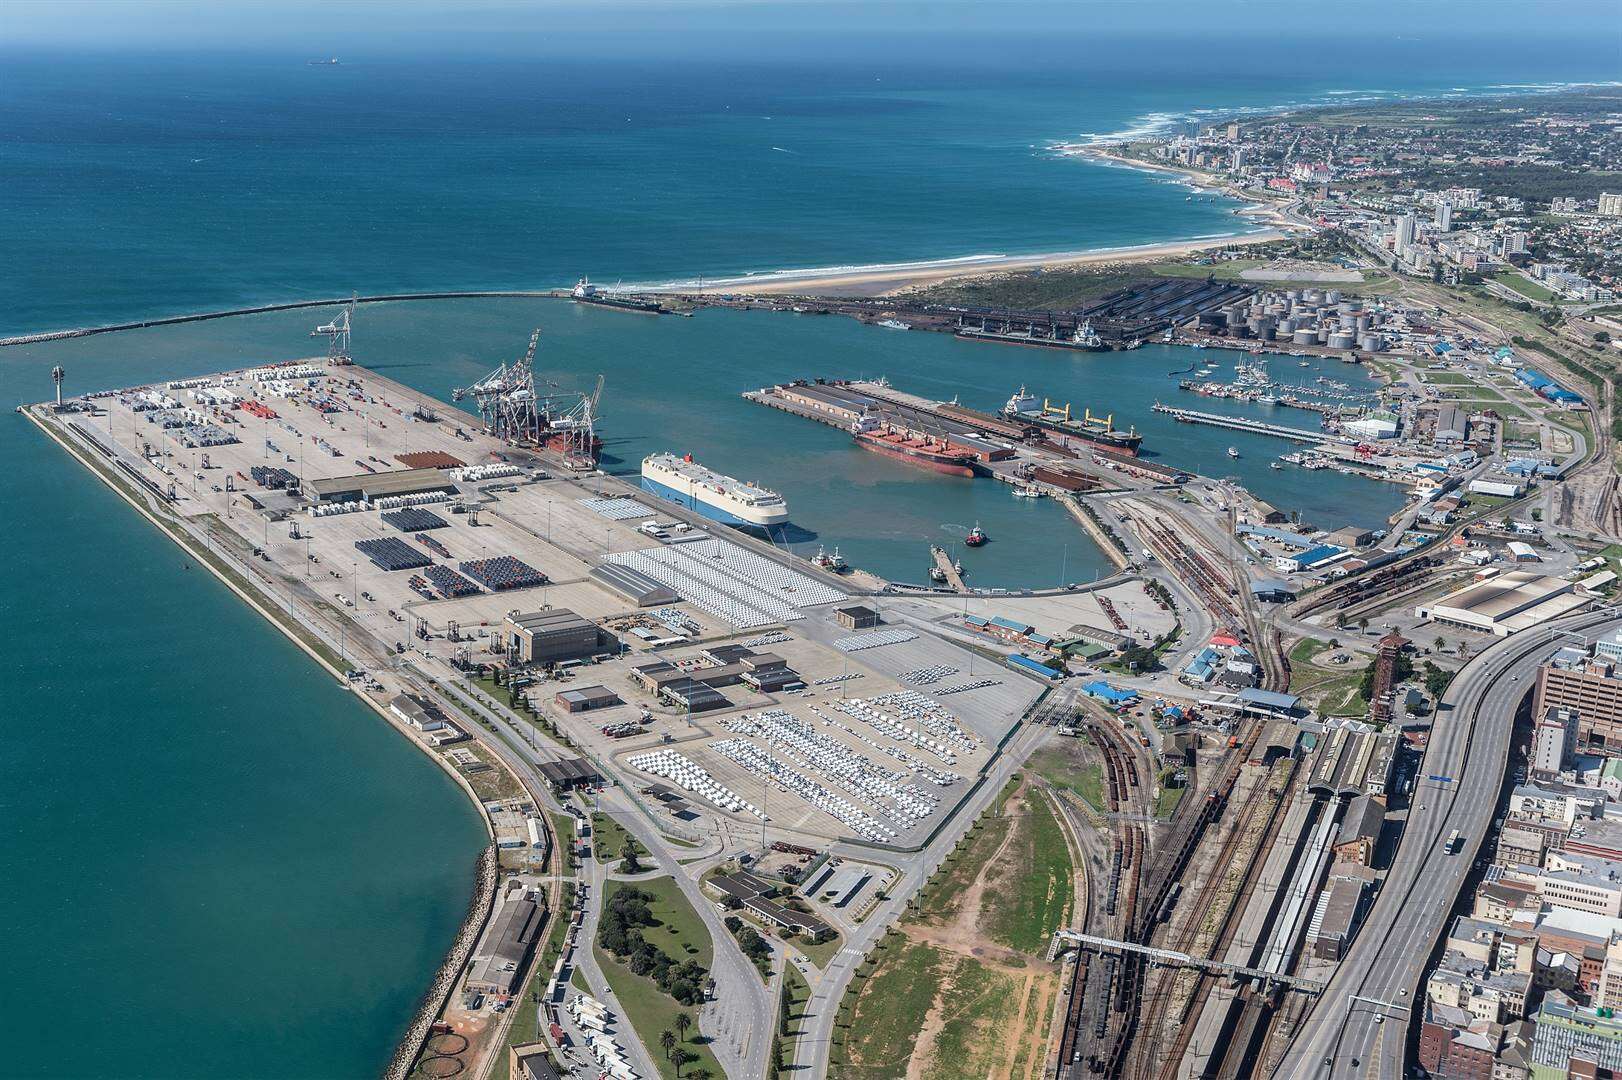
[{"x": 221, "y": 865}]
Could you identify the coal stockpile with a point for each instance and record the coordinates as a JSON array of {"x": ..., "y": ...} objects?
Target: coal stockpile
[
  {"x": 502, "y": 572},
  {"x": 391, "y": 553},
  {"x": 271, "y": 477},
  {"x": 448, "y": 583},
  {"x": 414, "y": 519}
]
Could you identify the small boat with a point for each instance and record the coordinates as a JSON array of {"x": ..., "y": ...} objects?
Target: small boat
[
  {"x": 1027, "y": 491},
  {"x": 957, "y": 565},
  {"x": 976, "y": 536},
  {"x": 1306, "y": 363},
  {"x": 893, "y": 324},
  {"x": 834, "y": 562},
  {"x": 937, "y": 575},
  {"x": 1275, "y": 465},
  {"x": 1232, "y": 452}
]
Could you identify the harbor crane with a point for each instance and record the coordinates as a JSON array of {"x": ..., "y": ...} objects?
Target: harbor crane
[
  {"x": 337, "y": 334},
  {"x": 515, "y": 411}
]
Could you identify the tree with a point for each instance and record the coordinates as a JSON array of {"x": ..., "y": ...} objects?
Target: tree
[
  {"x": 667, "y": 1040},
  {"x": 1440, "y": 643},
  {"x": 1363, "y": 625},
  {"x": 683, "y": 1022},
  {"x": 680, "y": 1057}
]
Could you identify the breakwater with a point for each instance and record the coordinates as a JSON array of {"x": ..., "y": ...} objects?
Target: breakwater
[
  {"x": 262, "y": 309},
  {"x": 439, "y": 991}
]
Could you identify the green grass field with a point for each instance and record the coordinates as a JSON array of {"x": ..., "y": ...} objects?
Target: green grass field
[
  {"x": 798, "y": 992},
  {"x": 1085, "y": 779},
  {"x": 1032, "y": 891},
  {"x": 823, "y": 951},
  {"x": 608, "y": 837},
  {"x": 1304, "y": 650},
  {"x": 682, "y": 934},
  {"x": 1168, "y": 800},
  {"x": 886, "y": 1012},
  {"x": 940, "y": 894},
  {"x": 1524, "y": 285}
]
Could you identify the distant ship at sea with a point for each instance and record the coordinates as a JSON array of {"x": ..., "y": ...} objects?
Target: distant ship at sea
[{"x": 331, "y": 61}]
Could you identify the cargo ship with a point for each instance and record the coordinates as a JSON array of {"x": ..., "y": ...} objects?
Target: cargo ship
[
  {"x": 720, "y": 498},
  {"x": 1084, "y": 337},
  {"x": 931, "y": 452},
  {"x": 585, "y": 292},
  {"x": 1099, "y": 430}
]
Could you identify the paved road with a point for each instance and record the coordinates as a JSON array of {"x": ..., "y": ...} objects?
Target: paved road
[
  {"x": 915, "y": 869},
  {"x": 1348, "y": 1032}
]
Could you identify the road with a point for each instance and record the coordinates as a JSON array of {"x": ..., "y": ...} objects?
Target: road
[
  {"x": 914, "y": 870},
  {"x": 1350, "y": 1032}
]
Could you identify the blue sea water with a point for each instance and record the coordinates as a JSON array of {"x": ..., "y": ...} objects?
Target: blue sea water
[{"x": 233, "y": 869}]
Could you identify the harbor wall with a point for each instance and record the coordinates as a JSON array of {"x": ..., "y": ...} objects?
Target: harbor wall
[
  {"x": 433, "y": 1000},
  {"x": 480, "y": 904},
  {"x": 261, "y": 309}
]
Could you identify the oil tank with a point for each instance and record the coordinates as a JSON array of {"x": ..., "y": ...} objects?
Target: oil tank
[
  {"x": 1304, "y": 336},
  {"x": 1341, "y": 339},
  {"x": 1371, "y": 343}
]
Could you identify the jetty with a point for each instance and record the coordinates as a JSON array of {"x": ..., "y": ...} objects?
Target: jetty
[
  {"x": 1241, "y": 423},
  {"x": 944, "y": 562}
]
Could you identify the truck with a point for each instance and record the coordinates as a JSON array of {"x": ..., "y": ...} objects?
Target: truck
[{"x": 1454, "y": 842}]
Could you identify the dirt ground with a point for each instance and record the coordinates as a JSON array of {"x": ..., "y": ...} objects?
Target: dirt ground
[{"x": 990, "y": 1014}]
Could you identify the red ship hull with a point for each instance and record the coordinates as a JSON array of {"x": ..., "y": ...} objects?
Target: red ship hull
[{"x": 951, "y": 464}]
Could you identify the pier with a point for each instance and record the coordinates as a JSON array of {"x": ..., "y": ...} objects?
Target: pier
[
  {"x": 944, "y": 562},
  {"x": 1240, "y": 423}
]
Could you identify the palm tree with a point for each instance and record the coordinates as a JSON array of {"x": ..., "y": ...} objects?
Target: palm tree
[
  {"x": 1363, "y": 625},
  {"x": 679, "y": 1058},
  {"x": 683, "y": 1022},
  {"x": 1440, "y": 643},
  {"x": 667, "y": 1039}
]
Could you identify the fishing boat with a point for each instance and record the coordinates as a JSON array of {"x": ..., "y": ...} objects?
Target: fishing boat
[{"x": 1028, "y": 491}]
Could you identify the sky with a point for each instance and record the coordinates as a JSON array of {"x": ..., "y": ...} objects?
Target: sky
[{"x": 509, "y": 25}]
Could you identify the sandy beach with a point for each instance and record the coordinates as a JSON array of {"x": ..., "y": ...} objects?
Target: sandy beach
[{"x": 880, "y": 280}]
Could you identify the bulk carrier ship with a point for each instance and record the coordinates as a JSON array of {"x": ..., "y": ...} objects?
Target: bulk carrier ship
[
  {"x": 718, "y": 497},
  {"x": 584, "y": 292},
  {"x": 1100, "y": 430},
  {"x": 932, "y": 452}
]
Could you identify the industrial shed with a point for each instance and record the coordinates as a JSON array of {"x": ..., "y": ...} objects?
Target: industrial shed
[
  {"x": 501, "y": 954},
  {"x": 634, "y": 585},
  {"x": 368, "y": 486}
]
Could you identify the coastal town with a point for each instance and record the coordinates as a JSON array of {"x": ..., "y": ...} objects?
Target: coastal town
[{"x": 1277, "y": 793}]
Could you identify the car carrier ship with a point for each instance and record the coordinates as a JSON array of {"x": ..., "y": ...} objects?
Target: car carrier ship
[
  {"x": 718, "y": 497},
  {"x": 1101, "y": 430}
]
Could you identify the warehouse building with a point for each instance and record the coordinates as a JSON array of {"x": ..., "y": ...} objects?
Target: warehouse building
[
  {"x": 568, "y": 774},
  {"x": 634, "y": 585},
  {"x": 546, "y": 637},
  {"x": 857, "y": 617},
  {"x": 502, "y": 952},
  {"x": 364, "y": 487},
  {"x": 1505, "y": 604},
  {"x": 587, "y": 698}
]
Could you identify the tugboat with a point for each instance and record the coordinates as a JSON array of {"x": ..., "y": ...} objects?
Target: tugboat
[
  {"x": 834, "y": 562},
  {"x": 976, "y": 536}
]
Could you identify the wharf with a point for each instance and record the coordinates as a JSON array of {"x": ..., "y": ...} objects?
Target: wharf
[{"x": 1240, "y": 423}]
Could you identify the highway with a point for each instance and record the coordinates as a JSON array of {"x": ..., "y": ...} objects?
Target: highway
[{"x": 1359, "y": 1024}]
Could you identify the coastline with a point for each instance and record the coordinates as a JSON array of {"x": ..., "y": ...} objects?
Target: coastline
[
  {"x": 885, "y": 279},
  {"x": 481, "y": 900}
]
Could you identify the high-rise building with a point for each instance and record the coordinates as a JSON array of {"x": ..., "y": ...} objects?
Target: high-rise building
[
  {"x": 1233, "y": 131},
  {"x": 1238, "y": 158},
  {"x": 1515, "y": 243},
  {"x": 1553, "y": 741},
  {"x": 1610, "y": 205},
  {"x": 1444, "y": 216},
  {"x": 1405, "y": 232}
]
